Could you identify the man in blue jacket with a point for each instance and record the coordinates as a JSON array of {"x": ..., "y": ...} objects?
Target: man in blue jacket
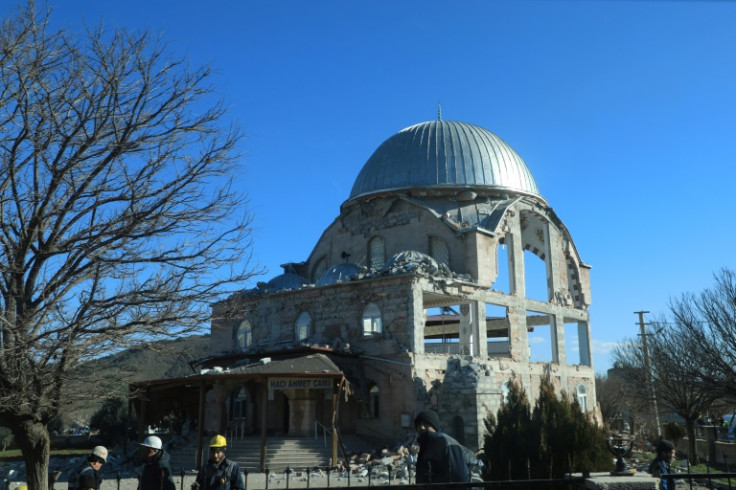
[{"x": 441, "y": 458}]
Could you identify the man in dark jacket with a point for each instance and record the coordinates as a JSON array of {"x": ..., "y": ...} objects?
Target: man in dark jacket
[
  {"x": 219, "y": 473},
  {"x": 87, "y": 477},
  {"x": 661, "y": 464},
  {"x": 156, "y": 472},
  {"x": 441, "y": 458}
]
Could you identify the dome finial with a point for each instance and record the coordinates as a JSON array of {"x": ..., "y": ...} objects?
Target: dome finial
[{"x": 439, "y": 111}]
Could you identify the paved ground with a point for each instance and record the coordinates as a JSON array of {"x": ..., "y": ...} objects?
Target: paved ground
[{"x": 255, "y": 481}]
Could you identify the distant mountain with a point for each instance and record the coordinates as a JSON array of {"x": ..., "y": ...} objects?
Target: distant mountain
[{"x": 110, "y": 376}]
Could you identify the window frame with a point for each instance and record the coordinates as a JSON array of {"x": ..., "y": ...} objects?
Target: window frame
[
  {"x": 247, "y": 337},
  {"x": 299, "y": 325},
  {"x": 372, "y": 259},
  {"x": 375, "y": 317},
  {"x": 435, "y": 243},
  {"x": 581, "y": 391},
  {"x": 374, "y": 394}
]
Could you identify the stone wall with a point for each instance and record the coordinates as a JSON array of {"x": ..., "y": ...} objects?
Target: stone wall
[
  {"x": 336, "y": 313},
  {"x": 710, "y": 447}
]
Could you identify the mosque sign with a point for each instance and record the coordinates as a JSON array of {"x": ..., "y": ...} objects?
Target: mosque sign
[{"x": 299, "y": 383}]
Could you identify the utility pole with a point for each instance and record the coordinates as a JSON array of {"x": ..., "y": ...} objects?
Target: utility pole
[{"x": 648, "y": 368}]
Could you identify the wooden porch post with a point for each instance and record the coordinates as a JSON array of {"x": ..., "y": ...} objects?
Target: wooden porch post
[
  {"x": 142, "y": 416},
  {"x": 335, "y": 401},
  {"x": 264, "y": 414},
  {"x": 200, "y": 426}
]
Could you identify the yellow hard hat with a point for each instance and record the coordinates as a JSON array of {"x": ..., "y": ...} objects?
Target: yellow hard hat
[
  {"x": 21, "y": 487},
  {"x": 218, "y": 441}
]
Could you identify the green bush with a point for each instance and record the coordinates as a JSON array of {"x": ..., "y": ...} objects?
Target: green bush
[
  {"x": 113, "y": 423},
  {"x": 553, "y": 439}
]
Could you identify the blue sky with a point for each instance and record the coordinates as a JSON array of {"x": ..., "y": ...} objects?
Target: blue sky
[{"x": 624, "y": 111}]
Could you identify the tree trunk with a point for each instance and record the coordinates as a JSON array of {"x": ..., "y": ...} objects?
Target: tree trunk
[
  {"x": 691, "y": 442},
  {"x": 35, "y": 443}
]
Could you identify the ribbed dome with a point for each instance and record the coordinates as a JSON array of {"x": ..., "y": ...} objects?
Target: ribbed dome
[
  {"x": 339, "y": 273},
  {"x": 444, "y": 154},
  {"x": 286, "y": 281}
]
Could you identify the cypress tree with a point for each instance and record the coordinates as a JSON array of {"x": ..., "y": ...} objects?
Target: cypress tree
[
  {"x": 554, "y": 439},
  {"x": 506, "y": 442}
]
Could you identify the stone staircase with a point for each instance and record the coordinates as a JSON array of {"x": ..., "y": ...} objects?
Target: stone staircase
[{"x": 282, "y": 452}]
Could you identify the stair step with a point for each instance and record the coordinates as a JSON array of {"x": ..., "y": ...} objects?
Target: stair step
[{"x": 281, "y": 453}]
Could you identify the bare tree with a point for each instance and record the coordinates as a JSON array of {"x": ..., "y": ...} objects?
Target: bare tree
[
  {"x": 710, "y": 321},
  {"x": 118, "y": 220},
  {"x": 676, "y": 374},
  {"x": 608, "y": 392},
  {"x": 621, "y": 393}
]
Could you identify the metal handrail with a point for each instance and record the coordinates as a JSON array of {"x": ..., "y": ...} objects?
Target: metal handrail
[{"x": 325, "y": 431}]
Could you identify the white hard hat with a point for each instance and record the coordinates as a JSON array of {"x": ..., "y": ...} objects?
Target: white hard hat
[
  {"x": 100, "y": 452},
  {"x": 153, "y": 442}
]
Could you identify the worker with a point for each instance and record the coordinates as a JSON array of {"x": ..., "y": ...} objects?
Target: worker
[{"x": 219, "y": 473}]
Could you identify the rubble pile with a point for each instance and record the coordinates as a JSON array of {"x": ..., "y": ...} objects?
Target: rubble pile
[{"x": 383, "y": 465}]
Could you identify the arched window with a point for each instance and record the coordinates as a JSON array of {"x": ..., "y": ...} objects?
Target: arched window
[
  {"x": 439, "y": 250},
  {"x": 303, "y": 328},
  {"x": 374, "y": 401},
  {"x": 372, "y": 324},
  {"x": 244, "y": 335},
  {"x": 583, "y": 397},
  {"x": 376, "y": 253},
  {"x": 506, "y": 390},
  {"x": 240, "y": 403}
]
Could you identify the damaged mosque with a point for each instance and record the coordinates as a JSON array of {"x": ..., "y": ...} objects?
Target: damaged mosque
[{"x": 415, "y": 297}]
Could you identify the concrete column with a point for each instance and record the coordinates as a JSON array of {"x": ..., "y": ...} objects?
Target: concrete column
[
  {"x": 513, "y": 240},
  {"x": 551, "y": 261},
  {"x": 416, "y": 320},
  {"x": 518, "y": 338},
  {"x": 557, "y": 338},
  {"x": 584, "y": 343},
  {"x": 560, "y": 354},
  {"x": 302, "y": 414},
  {"x": 473, "y": 329}
]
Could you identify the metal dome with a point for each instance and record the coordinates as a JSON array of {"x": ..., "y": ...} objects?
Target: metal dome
[
  {"x": 444, "y": 154},
  {"x": 339, "y": 273},
  {"x": 286, "y": 281}
]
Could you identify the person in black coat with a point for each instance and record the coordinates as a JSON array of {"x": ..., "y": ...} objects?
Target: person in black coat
[
  {"x": 156, "y": 471},
  {"x": 87, "y": 477},
  {"x": 441, "y": 458}
]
